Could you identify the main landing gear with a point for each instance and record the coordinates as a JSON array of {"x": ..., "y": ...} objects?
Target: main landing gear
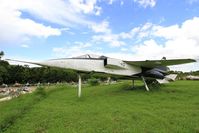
[
  {"x": 79, "y": 85},
  {"x": 144, "y": 81}
]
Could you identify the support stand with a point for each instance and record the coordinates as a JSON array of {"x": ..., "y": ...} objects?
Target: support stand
[
  {"x": 133, "y": 82},
  {"x": 145, "y": 84},
  {"x": 79, "y": 85}
]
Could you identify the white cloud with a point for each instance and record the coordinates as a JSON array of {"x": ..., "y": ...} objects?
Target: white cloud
[
  {"x": 25, "y": 46},
  {"x": 78, "y": 48},
  {"x": 155, "y": 41},
  {"x": 175, "y": 41},
  {"x": 98, "y": 11},
  {"x": 66, "y": 13},
  {"x": 106, "y": 35},
  {"x": 110, "y": 1},
  {"x": 122, "y": 3},
  {"x": 188, "y": 30},
  {"x": 146, "y": 3},
  {"x": 137, "y": 32},
  {"x": 102, "y": 27},
  {"x": 179, "y": 41},
  {"x": 110, "y": 39},
  {"x": 86, "y": 6},
  {"x": 14, "y": 26},
  {"x": 192, "y": 1},
  {"x": 124, "y": 49},
  {"x": 117, "y": 40}
]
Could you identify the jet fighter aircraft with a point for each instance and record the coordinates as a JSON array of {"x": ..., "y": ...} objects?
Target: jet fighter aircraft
[{"x": 148, "y": 69}]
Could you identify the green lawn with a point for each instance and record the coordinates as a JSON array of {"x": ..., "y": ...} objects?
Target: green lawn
[{"x": 172, "y": 108}]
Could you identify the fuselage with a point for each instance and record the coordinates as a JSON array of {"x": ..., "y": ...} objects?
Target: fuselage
[{"x": 94, "y": 65}]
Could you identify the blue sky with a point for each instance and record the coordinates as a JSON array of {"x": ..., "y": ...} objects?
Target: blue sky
[{"x": 125, "y": 29}]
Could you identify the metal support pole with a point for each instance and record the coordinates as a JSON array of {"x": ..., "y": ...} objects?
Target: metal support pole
[
  {"x": 79, "y": 85},
  {"x": 109, "y": 80},
  {"x": 145, "y": 84},
  {"x": 133, "y": 82}
]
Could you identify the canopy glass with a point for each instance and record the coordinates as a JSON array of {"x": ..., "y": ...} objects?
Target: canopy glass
[{"x": 90, "y": 56}]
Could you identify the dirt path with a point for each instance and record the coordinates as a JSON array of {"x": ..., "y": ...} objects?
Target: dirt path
[
  {"x": 5, "y": 98},
  {"x": 31, "y": 89}
]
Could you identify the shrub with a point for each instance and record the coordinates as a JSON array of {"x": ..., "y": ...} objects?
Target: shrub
[
  {"x": 40, "y": 93},
  {"x": 93, "y": 81}
]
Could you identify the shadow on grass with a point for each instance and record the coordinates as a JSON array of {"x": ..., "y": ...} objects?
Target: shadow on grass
[{"x": 141, "y": 88}]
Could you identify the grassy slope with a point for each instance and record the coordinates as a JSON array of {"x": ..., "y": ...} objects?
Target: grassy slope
[{"x": 105, "y": 108}]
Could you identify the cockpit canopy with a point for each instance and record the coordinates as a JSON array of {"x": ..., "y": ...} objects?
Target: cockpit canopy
[{"x": 90, "y": 56}]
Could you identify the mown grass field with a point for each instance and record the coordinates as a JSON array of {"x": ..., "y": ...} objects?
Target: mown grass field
[{"x": 172, "y": 108}]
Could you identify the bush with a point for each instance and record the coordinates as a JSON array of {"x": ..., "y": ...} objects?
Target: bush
[
  {"x": 40, "y": 93},
  {"x": 93, "y": 81}
]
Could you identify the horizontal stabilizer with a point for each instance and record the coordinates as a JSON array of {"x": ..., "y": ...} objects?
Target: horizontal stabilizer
[
  {"x": 167, "y": 78},
  {"x": 162, "y": 81},
  {"x": 171, "y": 77}
]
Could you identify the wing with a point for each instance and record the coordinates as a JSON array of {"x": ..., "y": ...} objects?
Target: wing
[
  {"x": 155, "y": 63},
  {"x": 35, "y": 63}
]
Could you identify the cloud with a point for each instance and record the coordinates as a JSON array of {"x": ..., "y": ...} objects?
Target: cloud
[
  {"x": 106, "y": 35},
  {"x": 15, "y": 26},
  {"x": 102, "y": 27},
  {"x": 155, "y": 41},
  {"x": 78, "y": 48},
  {"x": 151, "y": 41},
  {"x": 65, "y": 13},
  {"x": 24, "y": 46},
  {"x": 180, "y": 40},
  {"x": 110, "y": 1},
  {"x": 86, "y": 6},
  {"x": 192, "y": 1},
  {"x": 138, "y": 32},
  {"x": 110, "y": 39},
  {"x": 118, "y": 40},
  {"x": 188, "y": 30},
  {"x": 146, "y": 3},
  {"x": 122, "y": 3},
  {"x": 175, "y": 41},
  {"x": 124, "y": 49}
]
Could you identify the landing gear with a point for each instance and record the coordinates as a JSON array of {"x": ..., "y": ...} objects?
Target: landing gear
[
  {"x": 133, "y": 83},
  {"x": 79, "y": 85},
  {"x": 145, "y": 84}
]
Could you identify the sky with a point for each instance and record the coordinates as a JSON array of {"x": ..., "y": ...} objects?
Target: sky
[{"x": 125, "y": 29}]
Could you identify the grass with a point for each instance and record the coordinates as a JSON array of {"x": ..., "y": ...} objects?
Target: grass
[{"x": 103, "y": 109}]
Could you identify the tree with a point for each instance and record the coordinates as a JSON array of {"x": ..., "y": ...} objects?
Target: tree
[
  {"x": 1, "y": 54},
  {"x": 4, "y": 65},
  {"x": 3, "y": 74}
]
